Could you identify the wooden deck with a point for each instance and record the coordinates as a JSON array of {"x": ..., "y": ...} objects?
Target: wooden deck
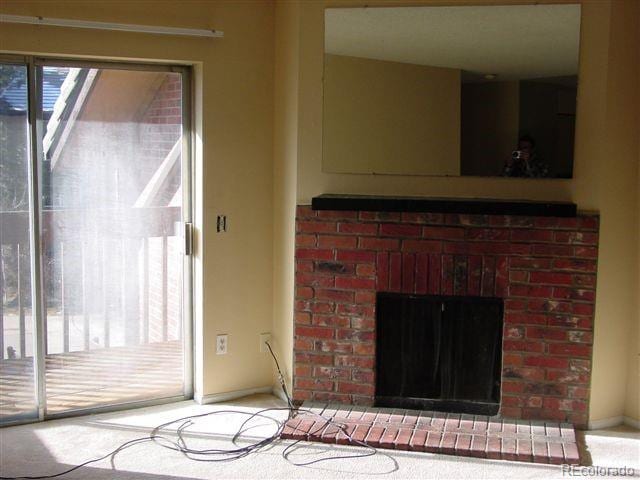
[{"x": 85, "y": 379}]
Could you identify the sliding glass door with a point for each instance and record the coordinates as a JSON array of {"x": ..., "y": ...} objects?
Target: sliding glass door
[
  {"x": 111, "y": 175},
  {"x": 18, "y": 389}
]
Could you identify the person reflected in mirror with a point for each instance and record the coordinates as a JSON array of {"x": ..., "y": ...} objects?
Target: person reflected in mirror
[{"x": 524, "y": 161}]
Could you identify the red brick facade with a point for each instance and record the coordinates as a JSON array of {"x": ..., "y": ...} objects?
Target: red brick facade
[
  {"x": 544, "y": 268},
  {"x": 161, "y": 128},
  {"x": 162, "y": 120}
]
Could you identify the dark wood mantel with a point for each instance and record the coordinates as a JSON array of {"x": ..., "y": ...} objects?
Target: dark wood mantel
[{"x": 473, "y": 206}]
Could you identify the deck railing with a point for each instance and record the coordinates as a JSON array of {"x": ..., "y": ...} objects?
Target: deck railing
[{"x": 114, "y": 271}]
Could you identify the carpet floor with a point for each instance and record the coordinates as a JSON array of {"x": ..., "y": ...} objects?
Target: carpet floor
[{"x": 53, "y": 446}]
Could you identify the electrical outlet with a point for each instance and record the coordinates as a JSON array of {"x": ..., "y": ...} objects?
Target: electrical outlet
[
  {"x": 222, "y": 344},
  {"x": 264, "y": 337},
  {"x": 221, "y": 223}
]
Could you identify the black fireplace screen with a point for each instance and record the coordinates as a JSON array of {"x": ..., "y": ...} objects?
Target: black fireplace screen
[{"x": 439, "y": 353}]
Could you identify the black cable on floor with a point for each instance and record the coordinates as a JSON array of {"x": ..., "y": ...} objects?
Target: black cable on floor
[{"x": 224, "y": 455}]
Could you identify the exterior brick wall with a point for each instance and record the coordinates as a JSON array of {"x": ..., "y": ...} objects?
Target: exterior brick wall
[
  {"x": 544, "y": 268},
  {"x": 162, "y": 122},
  {"x": 161, "y": 127}
]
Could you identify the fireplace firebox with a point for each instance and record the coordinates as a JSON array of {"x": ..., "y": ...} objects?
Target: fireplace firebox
[{"x": 439, "y": 353}]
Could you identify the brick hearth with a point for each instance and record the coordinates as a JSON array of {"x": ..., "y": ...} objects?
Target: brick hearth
[
  {"x": 453, "y": 434},
  {"x": 543, "y": 267}
]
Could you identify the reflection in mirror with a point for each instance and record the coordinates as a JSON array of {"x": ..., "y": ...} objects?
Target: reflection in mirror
[{"x": 474, "y": 91}]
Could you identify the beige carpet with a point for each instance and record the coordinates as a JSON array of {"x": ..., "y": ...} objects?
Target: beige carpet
[{"x": 53, "y": 446}]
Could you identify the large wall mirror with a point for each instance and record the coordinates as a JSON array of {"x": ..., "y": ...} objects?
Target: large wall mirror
[{"x": 473, "y": 91}]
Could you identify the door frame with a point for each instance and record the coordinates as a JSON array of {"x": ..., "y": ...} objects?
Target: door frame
[{"x": 34, "y": 66}]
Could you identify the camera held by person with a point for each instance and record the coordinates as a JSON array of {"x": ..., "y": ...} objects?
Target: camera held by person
[{"x": 524, "y": 161}]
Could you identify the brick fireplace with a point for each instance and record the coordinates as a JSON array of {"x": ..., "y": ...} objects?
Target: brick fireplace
[{"x": 543, "y": 267}]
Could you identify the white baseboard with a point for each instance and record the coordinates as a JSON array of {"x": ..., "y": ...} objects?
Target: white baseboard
[
  {"x": 614, "y": 422},
  {"x": 606, "y": 423},
  {"x": 632, "y": 422},
  {"x": 223, "y": 397}
]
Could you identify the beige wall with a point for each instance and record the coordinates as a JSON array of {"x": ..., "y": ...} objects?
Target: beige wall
[
  {"x": 490, "y": 119},
  {"x": 624, "y": 115},
  {"x": 608, "y": 183},
  {"x": 601, "y": 182},
  {"x": 285, "y": 168},
  {"x": 633, "y": 390},
  {"x": 234, "y": 171},
  {"x": 390, "y": 117}
]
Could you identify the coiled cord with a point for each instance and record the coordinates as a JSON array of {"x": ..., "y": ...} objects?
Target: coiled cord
[{"x": 224, "y": 455}]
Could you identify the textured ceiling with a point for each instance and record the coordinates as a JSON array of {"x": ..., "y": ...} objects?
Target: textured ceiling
[{"x": 514, "y": 42}]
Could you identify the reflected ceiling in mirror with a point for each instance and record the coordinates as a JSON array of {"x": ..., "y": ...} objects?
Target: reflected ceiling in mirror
[{"x": 480, "y": 90}]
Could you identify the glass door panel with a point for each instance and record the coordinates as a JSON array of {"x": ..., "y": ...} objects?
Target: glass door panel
[
  {"x": 18, "y": 398},
  {"x": 111, "y": 228}
]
